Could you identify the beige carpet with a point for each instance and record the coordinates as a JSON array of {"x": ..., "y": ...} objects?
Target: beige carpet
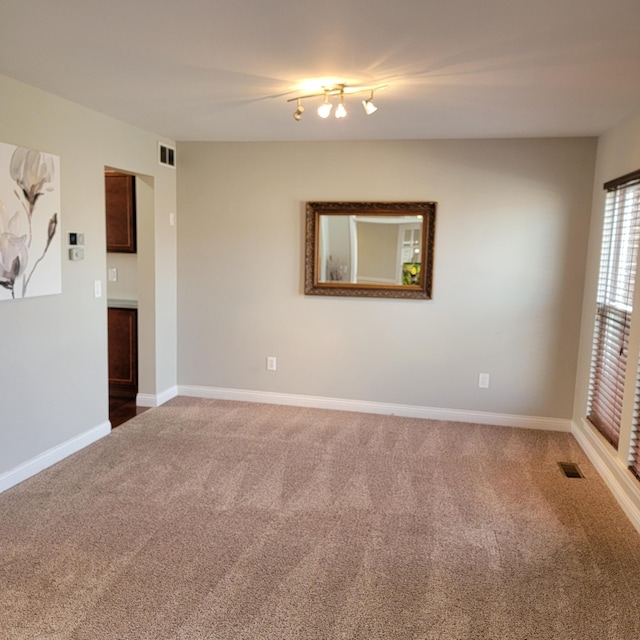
[{"x": 211, "y": 519}]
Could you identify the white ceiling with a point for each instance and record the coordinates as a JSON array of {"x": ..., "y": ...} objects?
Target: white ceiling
[{"x": 223, "y": 70}]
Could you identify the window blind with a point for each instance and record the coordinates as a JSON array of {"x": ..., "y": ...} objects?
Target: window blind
[
  {"x": 634, "y": 454},
  {"x": 614, "y": 305},
  {"x": 634, "y": 451}
]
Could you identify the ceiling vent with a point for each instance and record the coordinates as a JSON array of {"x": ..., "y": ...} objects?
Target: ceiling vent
[{"x": 166, "y": 155}]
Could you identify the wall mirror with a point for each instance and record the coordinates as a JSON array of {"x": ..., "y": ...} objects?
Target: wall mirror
[{"x": 370, "y": 249}]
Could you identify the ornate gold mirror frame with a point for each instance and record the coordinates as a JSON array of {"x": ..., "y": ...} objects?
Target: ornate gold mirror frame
[{"x": 370, "y": 249}]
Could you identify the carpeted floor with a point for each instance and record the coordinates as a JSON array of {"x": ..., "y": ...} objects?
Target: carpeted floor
[{"x": 221, "y": 520}]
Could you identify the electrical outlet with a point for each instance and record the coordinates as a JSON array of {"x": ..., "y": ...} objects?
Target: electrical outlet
[
  {"x": 97, "y": 288},
  {"x": 271, "y": 363},
  {"x": 113, "y": 274},
  {"x": 483, "y": 380}
]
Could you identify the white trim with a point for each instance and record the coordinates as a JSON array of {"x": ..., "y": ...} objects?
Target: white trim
[
  {"x": 621, "y": 482},
  {"x": 146, "y": 400},
  {"x": 360, "y": 406},
  {"x": 353, "y": 249},
  {"x": 151, "y": 400},
  {"x": 50, "y": 457},
  {"x": 373, "y": 280}
]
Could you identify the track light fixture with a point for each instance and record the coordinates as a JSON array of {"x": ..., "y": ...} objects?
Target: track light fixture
[
  {"x": 325, "y": 108},
  {"x": 342, "y": 91},
  {"x": 297, "y": 114},
  {"x": 368, "y": 105}
]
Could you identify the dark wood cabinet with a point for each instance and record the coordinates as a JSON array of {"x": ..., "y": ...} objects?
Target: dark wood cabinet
[
  {"x": 123, "y": 352},
  {"x": 120, "y": 191}
]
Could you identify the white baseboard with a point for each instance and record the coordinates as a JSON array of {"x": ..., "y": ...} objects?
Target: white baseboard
[
  {"x": 360, "y": 406},
  {"x": 151, "y": 400},
  {"x": 50, "y": 457},
  {"x": 621, "y": 482}
]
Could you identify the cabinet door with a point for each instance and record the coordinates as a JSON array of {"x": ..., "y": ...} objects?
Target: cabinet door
[
  {"x": 120, "y": 192},
  {"x": 123, "y": 352}
]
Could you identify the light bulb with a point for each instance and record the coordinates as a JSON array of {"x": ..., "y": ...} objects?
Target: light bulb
[
  {"x": 325, "y": 108},
  {"x": 341, "y": 111}
]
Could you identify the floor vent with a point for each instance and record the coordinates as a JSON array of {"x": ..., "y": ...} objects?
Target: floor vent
[{"x": 570, "y": 469}]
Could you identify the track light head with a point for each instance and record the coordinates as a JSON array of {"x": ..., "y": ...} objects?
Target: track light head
[
  {"x": 368, "y": 106},
  {"x": 297, "y": 114}
]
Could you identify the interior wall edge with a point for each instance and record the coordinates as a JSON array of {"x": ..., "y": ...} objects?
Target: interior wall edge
[{"x": 157, "y": 399}]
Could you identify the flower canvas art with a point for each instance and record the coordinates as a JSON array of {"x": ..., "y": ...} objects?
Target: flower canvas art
[{"x": 30, "y": 245}]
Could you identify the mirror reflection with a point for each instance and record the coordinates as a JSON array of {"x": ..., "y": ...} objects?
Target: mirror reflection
[{"x": 370, "y": 249}]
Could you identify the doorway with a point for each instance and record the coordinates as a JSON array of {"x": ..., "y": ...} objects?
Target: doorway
[{"x": 121, "y": 204}]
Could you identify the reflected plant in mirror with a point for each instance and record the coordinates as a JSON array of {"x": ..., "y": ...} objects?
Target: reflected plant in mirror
[{"x": 370, "y": 249}]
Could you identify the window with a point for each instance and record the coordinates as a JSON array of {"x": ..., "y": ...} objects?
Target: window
[{"x": 618, "y": 264}]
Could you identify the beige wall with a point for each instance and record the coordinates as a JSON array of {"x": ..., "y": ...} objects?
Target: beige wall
[
  {"x": 53, "y": 378},
  {"x": 377, "y": 251},
  {"x": 511, "y": 238},
  {"x": 126, "y": 286}
]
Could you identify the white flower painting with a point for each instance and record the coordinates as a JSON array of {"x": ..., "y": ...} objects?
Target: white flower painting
[{"x": 30, "y": 245}]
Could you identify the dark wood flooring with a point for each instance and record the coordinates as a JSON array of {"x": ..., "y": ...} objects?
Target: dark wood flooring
[{"x": 122, "y": 409}]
